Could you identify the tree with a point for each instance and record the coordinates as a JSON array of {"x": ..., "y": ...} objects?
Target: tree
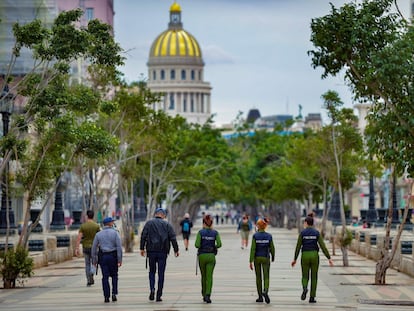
[
  {"x": 57, "y": 124},
  {"x": 374, "y": 48},
  {"x": 346, "y": 143}
]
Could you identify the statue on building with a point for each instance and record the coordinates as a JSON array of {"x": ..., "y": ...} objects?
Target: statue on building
[{"x": 300, "y": 117}]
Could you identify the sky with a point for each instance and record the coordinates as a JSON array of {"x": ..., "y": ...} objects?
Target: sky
[{"x": 255, "y": 51}]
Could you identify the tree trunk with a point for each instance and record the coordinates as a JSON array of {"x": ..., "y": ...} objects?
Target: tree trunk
[{"x": 345, "y": 260}]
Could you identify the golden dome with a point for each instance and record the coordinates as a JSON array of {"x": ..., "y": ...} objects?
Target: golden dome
[
  {"x": 175, "y": 42},
  {"x": 175, "y": 7}
]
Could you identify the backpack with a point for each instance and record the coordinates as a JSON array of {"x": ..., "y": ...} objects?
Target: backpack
[{"x": 186, "y": 226}]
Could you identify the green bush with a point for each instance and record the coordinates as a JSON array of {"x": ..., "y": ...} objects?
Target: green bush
[{"x": 15, "y": 265}]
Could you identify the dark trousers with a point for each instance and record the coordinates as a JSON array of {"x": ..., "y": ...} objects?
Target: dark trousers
[
  {"x": 157, "y": 261},
  {"x": 109, "y": 267}
]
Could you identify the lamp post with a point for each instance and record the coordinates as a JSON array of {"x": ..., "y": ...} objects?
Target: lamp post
[
  {"x": 6, "y": 212},
  {"x": 395, "y": 217},
  {"x": 372, "y": 212}
]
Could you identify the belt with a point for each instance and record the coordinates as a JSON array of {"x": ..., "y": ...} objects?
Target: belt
[{"x": 109, "y": 253}]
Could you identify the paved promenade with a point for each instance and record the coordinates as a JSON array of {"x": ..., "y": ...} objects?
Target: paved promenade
[{"x": 63, "y": 286}]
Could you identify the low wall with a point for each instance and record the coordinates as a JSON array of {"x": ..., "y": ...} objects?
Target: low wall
[
  {"x": 50, "y": 248},
  {"x": 369, "y": 243}
]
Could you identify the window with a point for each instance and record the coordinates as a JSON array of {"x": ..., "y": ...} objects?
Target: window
[
  {"x": 192, "y": 104},
  {"x": 172, "y": 74},
  {"x": 172, "y": 104},
  {"x": 183, "y": 75},
  {"x": 154, "y": 75},
  {"x": 162, "y": 74},
  {"x": 185, "y": 105},
  {"x": 199, "y": 75},
  {"x": 192, "y": 75},
  {"x": 89, "y": 14}
]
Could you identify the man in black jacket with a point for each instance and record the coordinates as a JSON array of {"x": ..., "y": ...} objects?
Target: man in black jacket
[{"x": 156, "y": 238}]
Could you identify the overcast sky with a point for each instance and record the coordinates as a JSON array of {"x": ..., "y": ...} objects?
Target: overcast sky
[{"x": 255, "y": 51}]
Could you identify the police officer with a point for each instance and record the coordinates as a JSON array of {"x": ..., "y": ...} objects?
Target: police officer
[
  {"x": 156, "y": 238},
  {"x": 261, "y": 250},
  {"x": 309, "y": 241},
  {"x": 207, "y": 241},
  {"x": 107, "y": 251}
]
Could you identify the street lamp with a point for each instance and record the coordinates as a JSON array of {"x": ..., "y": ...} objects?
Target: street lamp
[
  {"x": 372, "y": 212},
  {"x": 6, "y": 212}
]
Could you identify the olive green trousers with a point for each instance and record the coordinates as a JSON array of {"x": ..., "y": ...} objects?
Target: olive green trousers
[
  {"x": 262, "y": 269},
  {"x": 206, "y": 262},
  {"x": 310, "y": 263}
]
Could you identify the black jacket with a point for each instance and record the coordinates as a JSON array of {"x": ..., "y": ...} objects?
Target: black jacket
[{"x": 157, "y": 236}]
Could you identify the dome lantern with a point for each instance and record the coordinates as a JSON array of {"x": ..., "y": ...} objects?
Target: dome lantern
[{"x": 175, "y": 17}]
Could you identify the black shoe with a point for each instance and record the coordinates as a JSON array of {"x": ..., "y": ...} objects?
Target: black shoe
[
  {"x": 303, "y": 296},
  {"x": 88, "y": 284},
  {"x": 106, "y": 299},
  {"x": 207, "y": 299},
  {"x": 312, "y": 300},
  {"x": 159, "y": 298},
  {"x": 114, "y": 298},
  {"x": 152, "y": 295},
  {"x": 266, "y": 297},
  {"x": 260, "y": 299},
  {"x": 92, "y": 281}
]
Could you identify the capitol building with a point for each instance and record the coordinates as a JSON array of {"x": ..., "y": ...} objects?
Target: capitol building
[{"x": 176, "y": 69}]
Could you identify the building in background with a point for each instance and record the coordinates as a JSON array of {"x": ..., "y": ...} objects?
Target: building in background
[
  {"x": 25, "y": 11},
  {"x": 176, "y": 69}
]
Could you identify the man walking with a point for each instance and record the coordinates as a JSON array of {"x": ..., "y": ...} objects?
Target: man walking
[
  {"x": 107, "y": 251},
  {"x": 156, "y": 238},
  {"x": 87, "y": 232}
]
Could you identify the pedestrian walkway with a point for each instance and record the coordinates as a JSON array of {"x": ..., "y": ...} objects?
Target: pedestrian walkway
[{"x": 63, "y": 286}]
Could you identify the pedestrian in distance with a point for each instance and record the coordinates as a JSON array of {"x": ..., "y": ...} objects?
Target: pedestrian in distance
[
  {"x": 186, "y": 225},
  {"x": 245, "y": 226},
  {"x": 107, "y": 252},
  {"x": 156, "y": 239},
  {"x": 261, "y": 251},
  {"x": 207, "y": 241},
  {"x": 309, "y": 242},
  {"x": 86, "y": 234}
]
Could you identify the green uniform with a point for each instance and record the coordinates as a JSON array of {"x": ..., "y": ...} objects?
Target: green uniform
[
  {"x": 207, "y": 242},
  {"x": 309, "y": 242},
  {"x": 261, "y": 250}
]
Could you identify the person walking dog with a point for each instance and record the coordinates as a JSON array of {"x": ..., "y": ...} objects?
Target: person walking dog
[
  {"x": 309, "y": 241},
  {"x": 261, "y": 251},
  {"x": 156, "y": 238},
  {"x": 107, "y": 251},
  {"x": 207, "y": 241}
]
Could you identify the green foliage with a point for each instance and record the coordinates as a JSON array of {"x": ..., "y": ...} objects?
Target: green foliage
[
  {"x": 93, "y": 141},
  {"x": 346, "y": 238},
  {"x": 15, "y": 264},
  {"x": 374, "y": 47}
]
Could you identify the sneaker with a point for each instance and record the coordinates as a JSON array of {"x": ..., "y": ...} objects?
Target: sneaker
[
  {"x": 152, "y": 295},
  {"x": 207, "y": 299},
  {"x": 303, "y": 296},
  {"x": 106, "y": 299},
  {"x": 114, "y": 298},
  {"x": 266, "y": 297},
  {"x": 260, "y": 299},
  {"x": 312, "y": 300}
]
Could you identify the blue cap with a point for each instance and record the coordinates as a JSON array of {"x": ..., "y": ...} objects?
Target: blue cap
[
  {"x": 107, "y": 220},
  {"x": 160, "y": 210}
]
